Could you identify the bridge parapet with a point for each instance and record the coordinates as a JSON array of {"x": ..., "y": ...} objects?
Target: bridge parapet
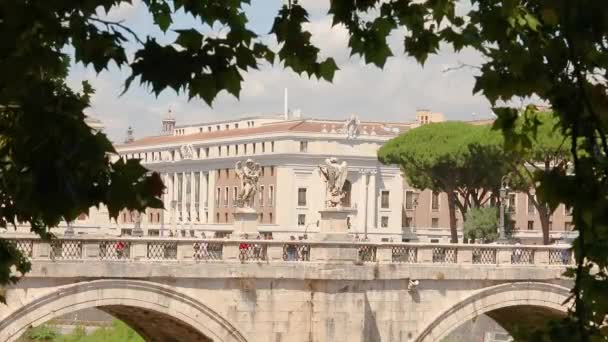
[{"x": 275, "y": 251}]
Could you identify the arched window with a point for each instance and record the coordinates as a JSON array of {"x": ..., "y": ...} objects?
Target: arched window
[{"x": 346, "y": 188}]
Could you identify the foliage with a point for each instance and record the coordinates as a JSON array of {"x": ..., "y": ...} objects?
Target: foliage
[
  {"x": 481, "y": 224},
  {"x": 460, "y": 159},
  {"x": 548, "y": 151},
  {"x": 42, "y": 333},
  {"x": 554, "y": 50},
  {"x": 118, "y": 331}
]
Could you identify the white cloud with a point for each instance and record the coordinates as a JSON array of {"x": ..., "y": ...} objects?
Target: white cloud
[{"x": 390, "y": 94}]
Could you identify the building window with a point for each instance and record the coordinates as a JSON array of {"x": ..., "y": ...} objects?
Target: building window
[
  {"x": 261, "y": 195},
  {"x": 271, "y": 195},
  {"x": 384, "y": 196},
  {"x": 434, "y": 222},
  {"x": 226, "y": 197},
  {"x": 301, "y": 197},
  {"x": 227, "y": 173},
  {"x": 227, "y": 127},
  {"x": 226, "y": 217},
  {"x": 550, "y": 225},
  {"x": 218, "y": 195},
  {"x": 245, "y": 148},
  {"x": 303, "y": 146},
  {"x": 270, "y": 218},
  {"x": 301, "y": 219},
  {"x": 261, "y": 217},
  {"x": 409, "y": 200},
  {"x": 408, "y": 222},
  {"x": 153, "y": 232},
  {"x": 234, "y": 196},
  {"x": 217, "y": 217},
  {"x": 253, "y": 145},
  {"x": 384, "y": 222},
  {"x": 512, "y": 205},
  {"x": 531, "y": 208},
  {"x": 208, "y": 128},
  {"x": 271, "y": 171},
  {"x": 435, "y": 201},
  {"x": 236, "y": 150},
  {"x": 217, "y": 127},
  {"x": 530, "y": 225},
  {"x": 272, "y": 146},
  {"x": 219, "y": 151},
  {"x": 236, "y": 125}
]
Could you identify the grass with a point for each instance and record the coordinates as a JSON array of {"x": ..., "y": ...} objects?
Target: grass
[{"x": 118, "y": 331}]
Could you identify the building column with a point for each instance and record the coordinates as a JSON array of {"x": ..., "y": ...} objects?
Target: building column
[
  {"x": 372, "y": 197},
  {"x": 193, "y": 199},
  {"x": 211, "y": 196},
  {"x": 361, "y": 202},
  {"x": 173, "y": 200}
]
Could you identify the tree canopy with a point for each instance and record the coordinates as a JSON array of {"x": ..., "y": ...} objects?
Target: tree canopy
[
  {"x": 555, "y": 50},
  {"x": 547, "y": 151},
  {"x": 462, "y": 160}
]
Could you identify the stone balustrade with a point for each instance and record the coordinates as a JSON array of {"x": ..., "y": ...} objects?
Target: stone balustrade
[{"x": 129, "y": 249}]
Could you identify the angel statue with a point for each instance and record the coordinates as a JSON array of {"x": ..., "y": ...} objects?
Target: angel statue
[
  {"x": 249, "y": 175},
  {"x": 334, "y": 175},
  {"x": 351, "y": 127}
]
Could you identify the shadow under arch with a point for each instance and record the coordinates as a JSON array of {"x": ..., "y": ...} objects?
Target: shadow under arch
[
  {"x": 157, "y": 312},
  {"x": 519, "y": 304}
]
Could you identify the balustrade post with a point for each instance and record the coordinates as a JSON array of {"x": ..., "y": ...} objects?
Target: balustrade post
[
  {"x": 230, "y": 251},
  {"x": 503, "y": 256},
  {"x": 274, "y": 252},
  {"x": 139, "y": 250},
  {"x": 465, "y": 255},
  {"x": 384, "y": 254},
  {"x": 425, "y": 254},
  {"x": 185, "y": 250},
  {"x": 541, "y": 257},
  {"x": 41, "y": 250},
  {"x": 90, "y": 250}
]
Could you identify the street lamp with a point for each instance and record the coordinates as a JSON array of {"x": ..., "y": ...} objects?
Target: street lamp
[
  {"x": 414, "y": 205},
  {"x": 504, "y": 192}
]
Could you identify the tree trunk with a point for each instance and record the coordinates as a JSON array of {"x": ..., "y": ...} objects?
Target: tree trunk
[
  {"x": 452, "y": 209},
  {"x": 544, "y": 215}
]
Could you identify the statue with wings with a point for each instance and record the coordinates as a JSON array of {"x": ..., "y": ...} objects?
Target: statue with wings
[
  {"x": 334, "y": 174},
  {"x": 249, "y": 176}
]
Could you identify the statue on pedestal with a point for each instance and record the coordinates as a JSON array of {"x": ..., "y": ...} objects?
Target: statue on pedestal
[
  {"x": 334, "y": 174},
  {"x": 351, "y": 127},
  {"x": 249, "y": 176}
]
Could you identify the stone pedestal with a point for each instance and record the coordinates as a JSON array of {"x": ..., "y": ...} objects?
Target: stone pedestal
[
  {"x": 245, "y": 222},
  {"x": 333, "y": 225},
  {"x": 334, "y": 228}
]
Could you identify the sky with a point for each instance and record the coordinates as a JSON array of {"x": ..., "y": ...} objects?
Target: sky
[{"x": 392, "y": 94}]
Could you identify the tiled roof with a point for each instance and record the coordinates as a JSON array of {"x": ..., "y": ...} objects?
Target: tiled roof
[{"x": 303, "y": 126}]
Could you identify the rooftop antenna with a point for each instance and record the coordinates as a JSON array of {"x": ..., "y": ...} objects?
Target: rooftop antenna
[{"x": 286, "y": 106}]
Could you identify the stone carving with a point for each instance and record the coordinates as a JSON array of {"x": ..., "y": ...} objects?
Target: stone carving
[
  {"x": 249, "y": 176},
  {"x": 187, "y": 151},
  {"x": 351, "y": 127},
  {"x": 334, "y": 174}
]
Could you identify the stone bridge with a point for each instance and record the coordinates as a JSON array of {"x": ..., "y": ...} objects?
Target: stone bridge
[{"x": 267, "y": 290}]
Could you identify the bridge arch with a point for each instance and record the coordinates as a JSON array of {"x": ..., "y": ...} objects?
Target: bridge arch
[
  {"x": 152, "y": 309},
  {"x": 507, "y": 304}
]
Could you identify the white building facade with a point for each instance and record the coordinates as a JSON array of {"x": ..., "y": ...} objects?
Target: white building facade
[{"x": 196, "y": 163}]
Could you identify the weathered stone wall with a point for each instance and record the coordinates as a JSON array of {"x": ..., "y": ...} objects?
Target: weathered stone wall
[{"x": 279, "y": 302}]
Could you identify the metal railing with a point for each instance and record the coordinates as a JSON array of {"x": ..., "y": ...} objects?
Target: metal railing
[{"x": 187, "y": 249}]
